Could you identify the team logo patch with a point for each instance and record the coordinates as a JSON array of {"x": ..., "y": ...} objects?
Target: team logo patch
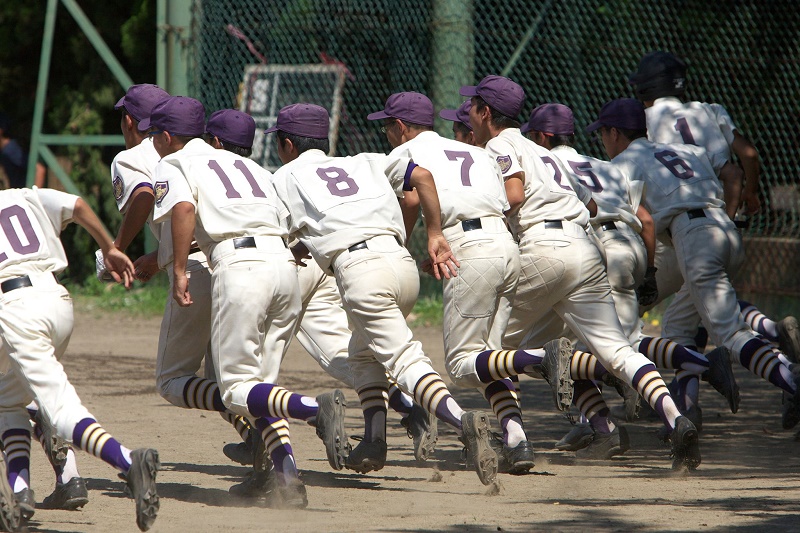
[
  {"x": 505, "y": 162},
  {"x": 160, "y": 189},
  {"x": 119, "y": 188}
]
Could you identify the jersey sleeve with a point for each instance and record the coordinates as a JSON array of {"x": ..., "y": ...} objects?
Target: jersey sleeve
[
  {"x": 58, "y": 206},
  {"x": 126, "y": 178},
  {"x": 724, "y": 121},
  {"x": 171, "y": 187},
  {"x": 505, "y": 155}
]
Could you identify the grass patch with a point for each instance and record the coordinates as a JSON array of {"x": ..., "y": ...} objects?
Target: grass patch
[
  {"x": 426, "y": 312},
  {"x": 144, "y": 299}
]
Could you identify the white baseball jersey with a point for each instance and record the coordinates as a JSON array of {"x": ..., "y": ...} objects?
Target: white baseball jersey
[
  {"x": 617, "y": 199},
  {"x": 31, "y": 221},
  {"x": 478, "y": 193},
  {"x": 670, "y": 121},
  {"x": 724, "y": 121},
  {"x": 677, "y": 178},
  {"x": 233, "y": 196},
  {"x": 336, "y": 202},
  {"x": 549, "y": 194}
]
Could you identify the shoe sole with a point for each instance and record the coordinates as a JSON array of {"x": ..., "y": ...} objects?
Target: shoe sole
[
  {"x": 427, "y": 443},
  {"x": 720, "y": 360},
  {"x": 521, "y": 467},
  {"x": 10, "y": 513},
  {"x": 332, "y": 405},
  {"x": 558, "y": 354},
  {"x": 147, "y": 502},
  {"x": 366, "y": 465},
  {"x": 789, "y": 338},
  {"x": 475, "y": 430}
]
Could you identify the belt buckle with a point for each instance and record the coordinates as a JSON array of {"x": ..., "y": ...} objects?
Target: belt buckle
[
  {"x": 553, "y": 224},
  {"x": 471, "y": 224},
  {"x": 244, "y": 242},
  {"x": 357, "y": 246}
]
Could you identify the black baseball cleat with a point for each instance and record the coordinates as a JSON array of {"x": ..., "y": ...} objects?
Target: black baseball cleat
[
  {"x": 579, "y": 437},
  {"x": 367, "y": 456},
  {"x": 720, "y": 376},
  {"x": 791, "y": 403},
  {"x": 685, "y": 445},
  {"x": 422, "y": 428},
  {"x": 475, "y": 435},
  {"x": 68, "y": 496},
  {"x": 141, "y": 485},
  {"x": 10, "y": 513},
  {"x": 555, "y": 369},
  {"x": 287, "y": 493},
  {"x": 515, "y": 461},
  {"x": 27, "y": 502},
  {"x": 55, "y": 447},
  {"x": 254, "y": 486},
  {"x": 330, "y": 427},
  {"x": 789, "y": 338},
  {"x": 606, "y": 445}
]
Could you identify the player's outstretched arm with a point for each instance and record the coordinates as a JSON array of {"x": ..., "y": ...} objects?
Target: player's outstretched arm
[
  {"x": 141, "y": 205},
  {"x": 409, "y": 206},
  {"x": 648, "y": 234},
  {"x": 116, "y": 262},
  {"x": 444, "y": 262},
  {"x": 183, "y": 223},
  {"x": 748, "y": 156}
]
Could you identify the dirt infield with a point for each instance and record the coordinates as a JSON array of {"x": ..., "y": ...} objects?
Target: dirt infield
[{"x": 748, "y": 479}]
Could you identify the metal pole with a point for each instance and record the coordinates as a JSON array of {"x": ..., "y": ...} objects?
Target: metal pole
[
  {"x": 161, "y": 44},
  {"x": 526, "y": 39}
]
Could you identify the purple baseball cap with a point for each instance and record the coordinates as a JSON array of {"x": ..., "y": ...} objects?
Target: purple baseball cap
[
  {"x": 232, "y": 127},
  {"x": 410, "y": 107},
  {"x": 458, "y": 115},
  {"x": 500, "y": 93},
  {"x": 551, "y": 119},
  {"x": 623, "y": 113},
  {"x": 179, "y": 115},
  {"x": 304, "y": 120},
  {"x": 140, "y": 99}
]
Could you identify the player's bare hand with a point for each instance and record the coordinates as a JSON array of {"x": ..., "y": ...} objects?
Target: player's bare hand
[
  {"x": 427, "y": 267},
  {"x": 750, "y": 203},
  {"x": 444, "y": 262},
  {"x": 180, "y": 290},
  {"x": 146, "y": 266},
  {"x": 300, "y": 253},
  {"x": 119, "y": 266}
]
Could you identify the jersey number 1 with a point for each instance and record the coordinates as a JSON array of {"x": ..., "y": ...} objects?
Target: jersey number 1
[{"x": 230, "y": 192}]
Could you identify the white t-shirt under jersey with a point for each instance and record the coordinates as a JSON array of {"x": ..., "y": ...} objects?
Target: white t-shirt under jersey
[
  {"x": 549, "y": 192},
  {"x": 677, "y": 178},
  {"x": 233, "y": 196},
  {"x": 31, "y": 221},
  {"x": 336, "y": 202},
  {"x": 468, "y": 179}
]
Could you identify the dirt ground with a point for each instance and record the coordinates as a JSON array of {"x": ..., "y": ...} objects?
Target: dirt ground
[{"x": 748, "y": 479}]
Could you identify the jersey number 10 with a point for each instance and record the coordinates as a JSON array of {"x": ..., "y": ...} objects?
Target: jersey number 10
[{"x": 10, "y": 231}]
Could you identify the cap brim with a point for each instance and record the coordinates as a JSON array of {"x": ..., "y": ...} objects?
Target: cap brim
[
  {"x": 144, "y": 124},
  {"x": 273, "y": 129},
  {"x": 378, "y": 115},
  {"x": 596, "y": 125},
  {"x": 468, "y": 90},
  {"x": 120, "y": 103},
  {"x": 525, "y": 128},
  {"x": 449, "y": 114}
]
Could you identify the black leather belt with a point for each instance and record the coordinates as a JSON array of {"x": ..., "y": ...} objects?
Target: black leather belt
[
  {"x": 695, "y": 213},
  {"x": 608, "y": 226},
  {"x": 18, "y": 283},
  {"x": 195, "y": 250},
  {"x": 244, "y": 242},
  {"x": 357, "y": 246},
  {"x": 553, "y": 224},
  {"x": 471, "y": 224}
]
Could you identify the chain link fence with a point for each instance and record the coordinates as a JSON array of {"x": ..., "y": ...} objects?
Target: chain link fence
[{"x": 740, "y": 53}]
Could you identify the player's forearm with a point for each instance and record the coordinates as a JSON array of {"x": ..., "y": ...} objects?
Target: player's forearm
[
  {"x": 422, "y": 181},
  {"x": 515, "y": 190},
  {"x": 183, "y": 224},
  {"x": 135, "y": 217},
  {"x": 84, "y": 216},
  {"x": 409, "y": 206},
  {"x": 748, "y": 156},
  {"x": 648, "y": 234}
]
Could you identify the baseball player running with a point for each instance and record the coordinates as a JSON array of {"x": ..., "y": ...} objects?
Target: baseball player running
[
  {"x": 347, "y": 216},
  {"x": 36, "y": 323},
  {"x": 685, "y": 200},
  {"x": 562, "y": 268},
  {"x": 229, "y": 204}
]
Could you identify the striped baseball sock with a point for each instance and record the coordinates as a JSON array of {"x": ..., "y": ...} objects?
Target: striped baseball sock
[
  {"x": 266, "y": 399},
  {"x": 688, "y": 389},
  {"x": 589, "y": 401},
  {"x": 505, "y": 405},
  {"x": 515, "y": 381},
  {"x": 492, "y": 365},
  {"x": 668, "y": 354},
  {"x": 90, "y": 437},
  {"x": 375, "y": 403},
  {"x": 758, "y": 321},
  {"x": 17, "y": 445},
  {"x": 399, "y": 401},
  {"x": 648, "y": 382},
  {"x": 200, "y": 393},
  {"x": 431, "y": 394},
  {"x": 239, "y": 423},
  {"x": 758, "y": 357},
  {"x": 275, "y": 432},
  {"x": 583, "y": 365}
]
